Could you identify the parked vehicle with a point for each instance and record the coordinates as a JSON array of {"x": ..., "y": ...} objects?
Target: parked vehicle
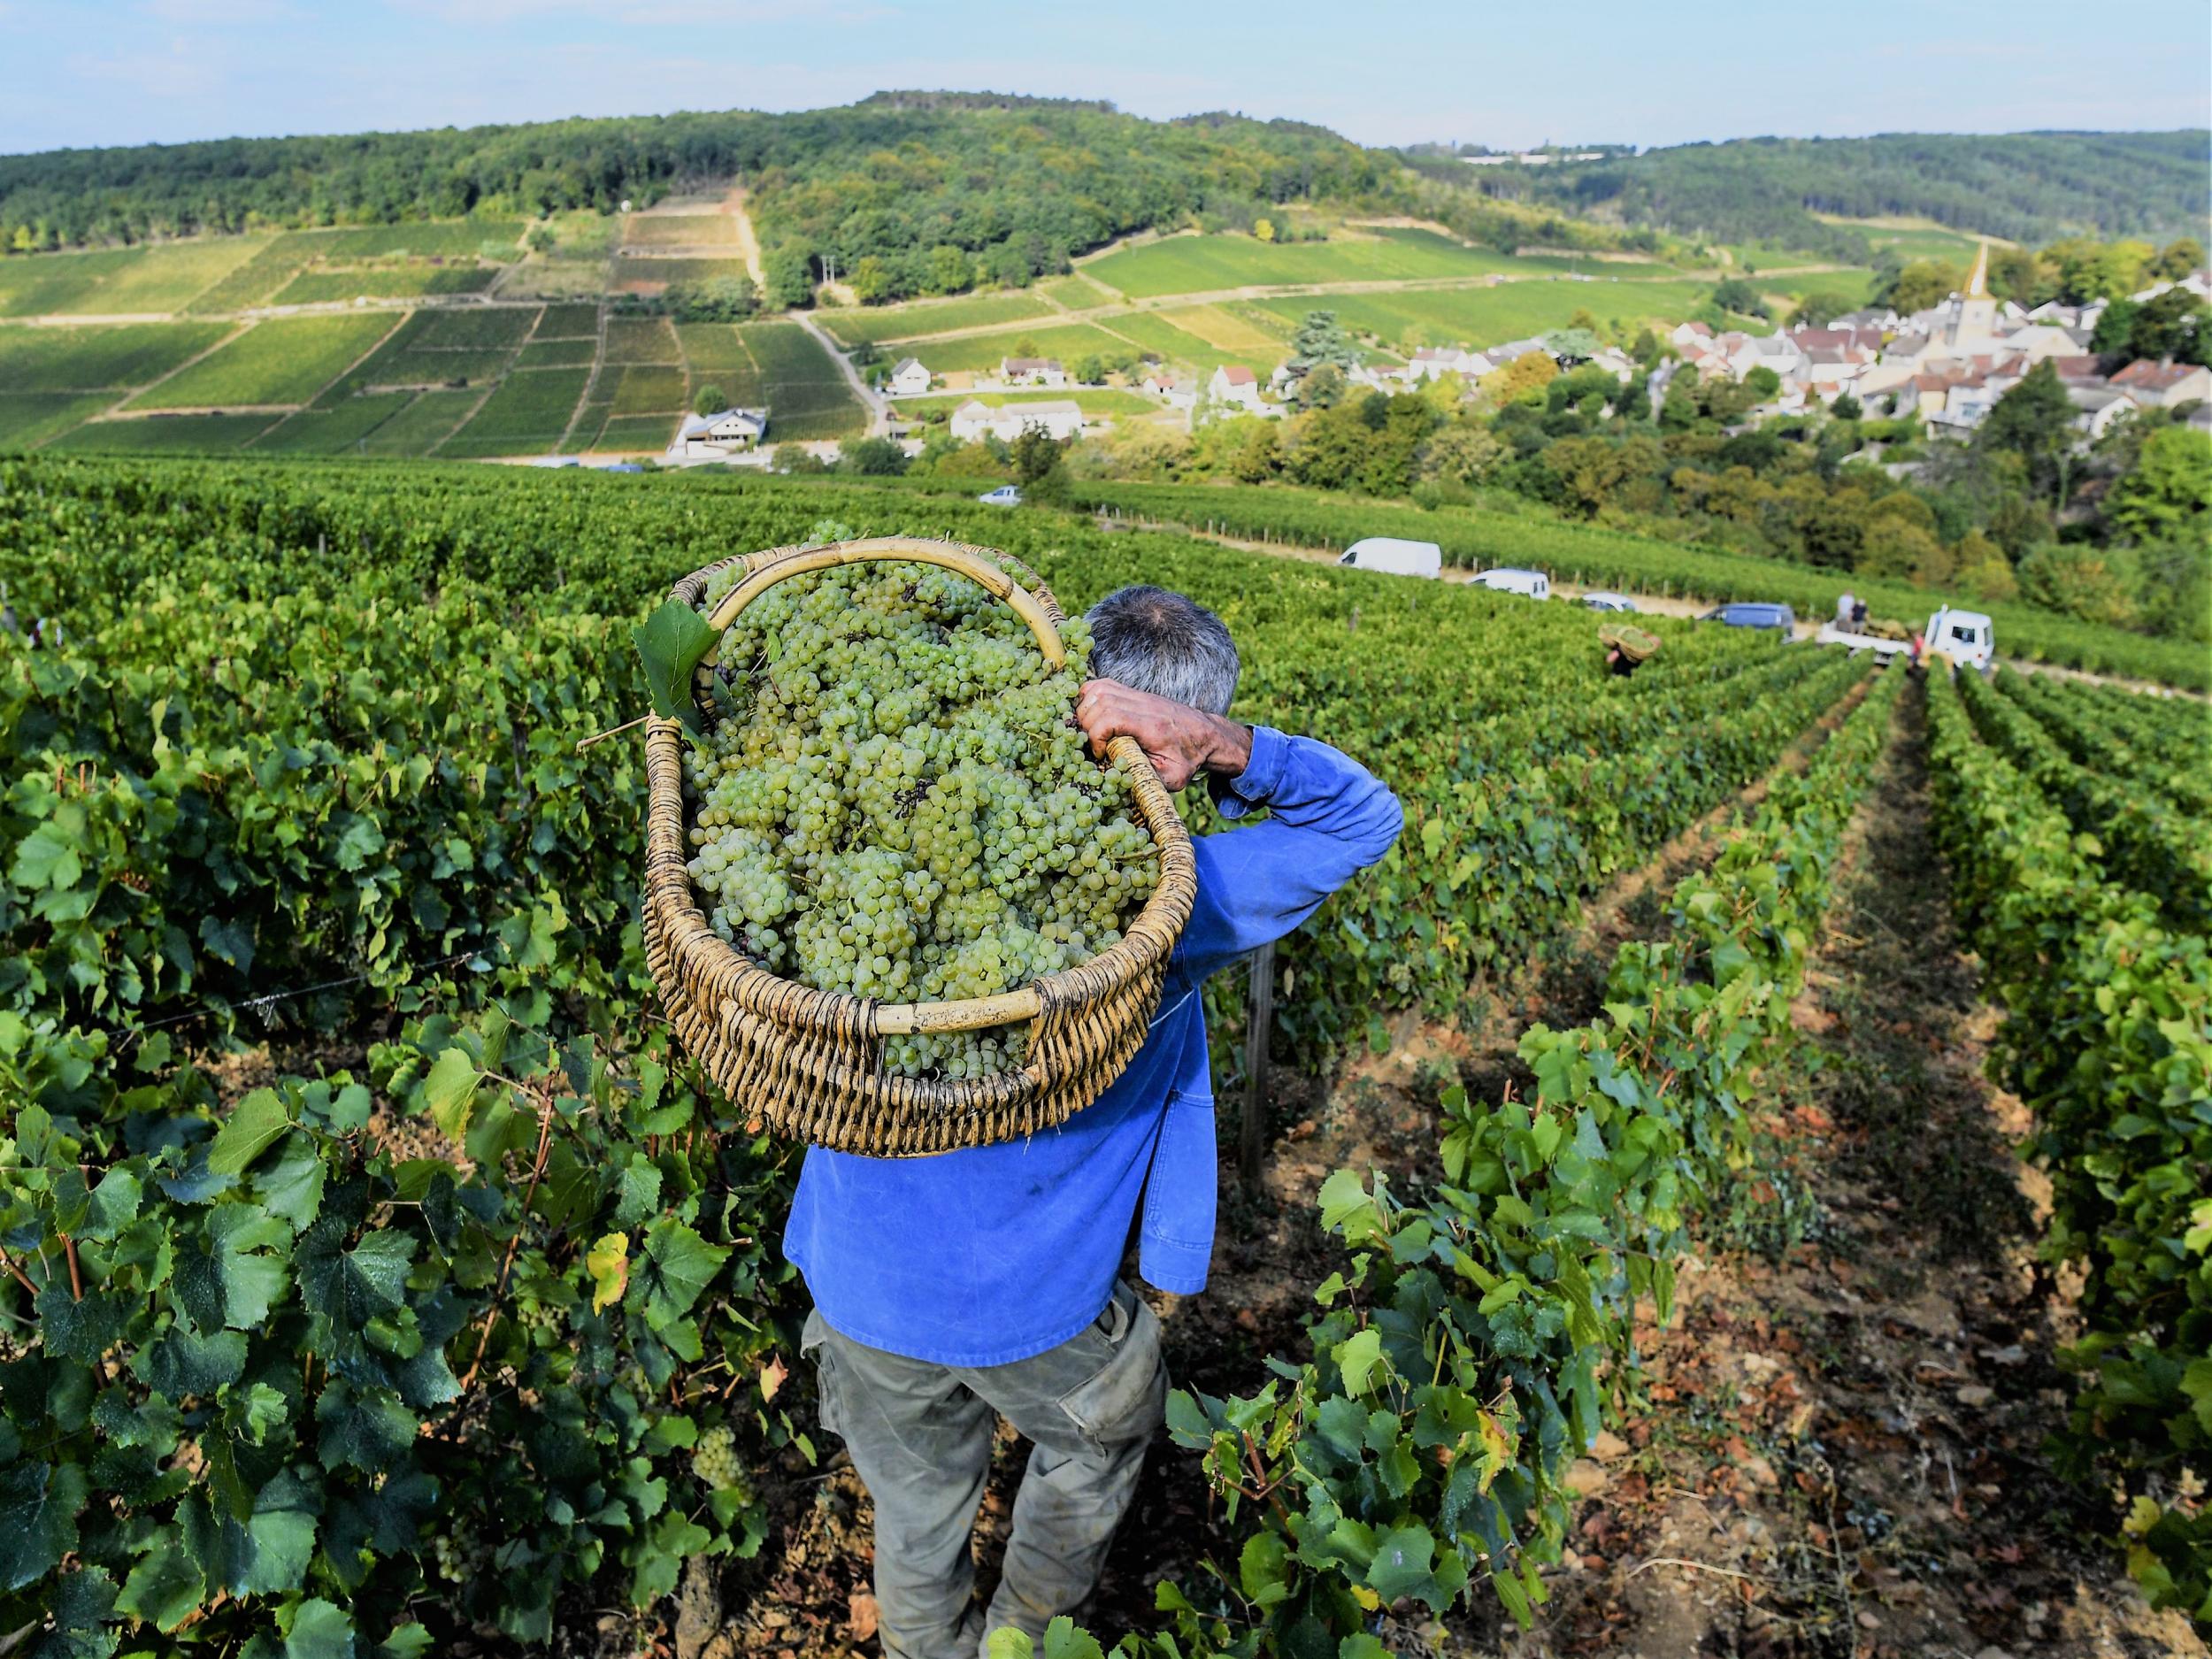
[
  {"x": 1967, "y": 637},
  {"x": 1745, "y": 614},
  {"x": 1608, "y": 601},
  {"x": 1395, "y": 556},
  {"x": 1004, "y": 495},
  {"x": 1506, "y": 580}
]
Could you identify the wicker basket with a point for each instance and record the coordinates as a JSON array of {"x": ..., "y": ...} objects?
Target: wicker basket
[{"x": 808, "y": 1063}]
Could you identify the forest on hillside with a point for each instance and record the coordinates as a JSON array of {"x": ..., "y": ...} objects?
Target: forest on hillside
[
  {"x": 1012, "y": 184},
  {"x": 2024, "y": 186}
]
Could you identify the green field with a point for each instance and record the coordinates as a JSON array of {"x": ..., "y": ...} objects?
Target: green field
[
  {"x": 420, "y": 366},
  {"x": 857, "y": 327},
  {"x": 1108, "y": 400},
  {"x": 1066, "y": 342},
  {"x": 649, "y": 389},
  {"x": 28, "y": 419},
  {"x": 628, "y": 269},
  {"x": 167, "y": 434},
  {"x": 122, "y": 281},
  {"x": 680, "y": 230},
  {"x": 477, "y": 327},
  {"x": 642, "y": 340},
  {"x": 448, "y": 239},
  {"x": 335, "y": 431},
  {"x": 1196, "y": 264},
  {"x": 1154, "y": 332},
  {"x": 555, "y": 354},
  {"x": 780, "y": 366},
  {"x": 286, "y": 360},
  {"x": 420, "y": 424},
  {"x": 526, "y": 414},
  {"x": 1915, "y": 239},
  {"x": 1438, "y": 316},
  {"x": 321, "y": 287},
  {"x": 119, "y": 357},
  {"x": 1076, "y": 292},
  {"x": 566, "y": 320},
  {"x": 635, "y": 433}
]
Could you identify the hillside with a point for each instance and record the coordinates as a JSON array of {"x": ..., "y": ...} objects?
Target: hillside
[
  {"x": 1016, "y": 184},
  {"x": 2023, "y": 187}
]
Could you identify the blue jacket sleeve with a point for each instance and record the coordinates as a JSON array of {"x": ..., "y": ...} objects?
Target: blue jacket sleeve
[{"x": 1328, "y": 819}]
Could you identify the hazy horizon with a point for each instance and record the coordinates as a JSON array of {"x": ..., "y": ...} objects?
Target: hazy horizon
[{"x": 181, "y": 71}]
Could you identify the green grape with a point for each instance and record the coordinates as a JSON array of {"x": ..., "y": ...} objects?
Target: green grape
[{"x": 895, "y": 801}]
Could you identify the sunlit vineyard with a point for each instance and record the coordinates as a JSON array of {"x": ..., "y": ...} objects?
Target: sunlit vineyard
[{"x": 378, "y": 1275}]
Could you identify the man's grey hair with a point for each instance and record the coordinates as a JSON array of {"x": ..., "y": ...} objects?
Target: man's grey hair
[{"x": 1164, "y": 643}]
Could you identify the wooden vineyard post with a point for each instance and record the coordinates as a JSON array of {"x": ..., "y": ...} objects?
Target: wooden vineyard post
[{"x": 1260, "y": 1017}]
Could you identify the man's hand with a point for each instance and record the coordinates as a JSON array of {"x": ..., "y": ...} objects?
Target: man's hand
[{"x": 1179, "y": 741}]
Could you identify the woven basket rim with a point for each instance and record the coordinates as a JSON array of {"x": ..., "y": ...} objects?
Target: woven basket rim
[{"x": 700, "y": 953}]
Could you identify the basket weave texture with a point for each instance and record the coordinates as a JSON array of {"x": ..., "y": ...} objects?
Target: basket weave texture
[{"x": 808, "y": 1063}]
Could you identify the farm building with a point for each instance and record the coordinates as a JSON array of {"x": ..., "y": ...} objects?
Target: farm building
[
  {"x": 1032, "y": 372},
  {"x": 909, "y": 378},
  {"x": 2165, "y": 384},
  {"x": 730, "y": 429},
  {"x": 1056, "y": 418},
  {"x": 1233, "y": 383}
]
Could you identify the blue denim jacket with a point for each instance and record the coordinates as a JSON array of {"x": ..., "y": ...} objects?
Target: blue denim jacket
[{"x": 993, "y": 1254}]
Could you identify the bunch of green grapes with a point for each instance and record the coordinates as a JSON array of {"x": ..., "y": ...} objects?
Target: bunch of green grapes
[
  {"x": 895, "y": 801},
  {"x": 714, "y": 1460}
]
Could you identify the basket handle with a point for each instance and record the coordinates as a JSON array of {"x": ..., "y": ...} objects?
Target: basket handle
[
  {"x": 974, "y": 1013},
  {"x": 908, "y": 549}
]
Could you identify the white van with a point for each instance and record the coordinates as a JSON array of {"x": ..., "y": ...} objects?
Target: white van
[
  {"x": 1967, "y": 637},
  {"x": 1398, "y": 557},
  {"x": 1505, "y": 579}
]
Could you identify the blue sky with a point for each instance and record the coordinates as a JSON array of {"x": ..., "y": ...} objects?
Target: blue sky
[{"x": 1627, "y": 70}]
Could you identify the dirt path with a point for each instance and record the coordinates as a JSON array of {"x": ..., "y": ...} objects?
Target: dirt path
[
  {"x": 747, "y": 243},
  {"x": 1842, "y": 1455}
]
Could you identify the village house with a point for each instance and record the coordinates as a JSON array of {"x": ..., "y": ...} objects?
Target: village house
[
  {"x": 1428, "y": 362},
  {"x": 2097, "y": 407},
  {"x": 1032, "y": 372},
  {"x": 909, "y": 378},
  {"x": 1059, "y": 419},
  {"x": 1234, "y": 384},
  {"x": 721, "y": 433},
  {"x": 2165, "y": 384}
]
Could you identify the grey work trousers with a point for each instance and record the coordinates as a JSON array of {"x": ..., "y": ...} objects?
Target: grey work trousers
[{"x": 920, "y": 1435}]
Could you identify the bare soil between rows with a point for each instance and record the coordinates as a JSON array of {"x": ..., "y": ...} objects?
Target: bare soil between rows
[{"x": 1841, "y": 1453}]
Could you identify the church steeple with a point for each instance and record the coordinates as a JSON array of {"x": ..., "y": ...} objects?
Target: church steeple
[
  {"x": 1973, "y": 313},
  {"x": 1978, "y": 278}
]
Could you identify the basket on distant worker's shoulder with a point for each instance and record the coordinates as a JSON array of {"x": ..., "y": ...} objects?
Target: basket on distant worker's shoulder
[
  {"x": 1630, "y": 640},
  {"x": 809, "y": 1063}
]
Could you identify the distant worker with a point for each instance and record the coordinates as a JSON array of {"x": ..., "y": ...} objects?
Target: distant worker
[
  {"x": 1843, "y": 610},
  {"x": 1627, "y": 647},
  {"x": 1858, "y": 613}
]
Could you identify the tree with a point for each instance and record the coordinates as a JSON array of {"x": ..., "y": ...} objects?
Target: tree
[
  {"x": 1320, "y": 340},
  {"x": 2094, "y": 584},
  {"x": 1821, "y": 307},
  {"x": 1923, "y": 283},
  {"x": 871, "y": 457},
  {"x": 2016, "y": 275},
  {"x": 2168, "y": 496},
  {"x": 2176, "y": 324},
  {"x": 1463, "y": 453},
  {"x": 2177, "y": 259},
  {"x": 950, "y": 270},
  {"x": 1323, "y": 388},
  {"x": 1035, "y": 454},
  {"x": 1733, "y": 294},
  {"x": 1763, "y": 382},
  {"x": 2114, "y": 330},
  {"x": 1571, "y": 345},
  {"x": 709, "y": 400},
  {"x": 870, "y": 279},
  {"x": 1522, "y": 379},
  {"x": 788, "y": 268},
  {"x": 2035, "y": 421},
  {"x": 1845, "y": 407},
  {"x": 1263, "y": 230}
]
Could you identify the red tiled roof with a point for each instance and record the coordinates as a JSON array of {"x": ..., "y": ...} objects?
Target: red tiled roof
[
  {"x": 2153, "y": 377},
  {"x": 1238, "y": 374}
]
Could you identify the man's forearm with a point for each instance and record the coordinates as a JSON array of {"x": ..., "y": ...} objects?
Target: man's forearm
[{"x": 1230, "y": 751}]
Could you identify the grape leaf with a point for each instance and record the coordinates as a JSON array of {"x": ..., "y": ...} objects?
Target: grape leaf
[
  {"x": 671, "y": 644},
  {"x": 164, "y": 1589},
  {"x": 349, "y": 1287},
  {"x": 38, "y": 1519},
  {"x": 369, "y": 1429},
  {"x": 449, "y": 1090},
  {"x": 254, "y": 1123},
  {"x": 183, "y": 1363},
  {"x": 678, "y": 1264},
  {"x": 292, "y": 1187},
  {"x": 82, "y": 1603},
  {"x": 607, "y": 1261},
  {"x": 319, "y": 1631},
  {"x": 228, "y": 1282}
]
